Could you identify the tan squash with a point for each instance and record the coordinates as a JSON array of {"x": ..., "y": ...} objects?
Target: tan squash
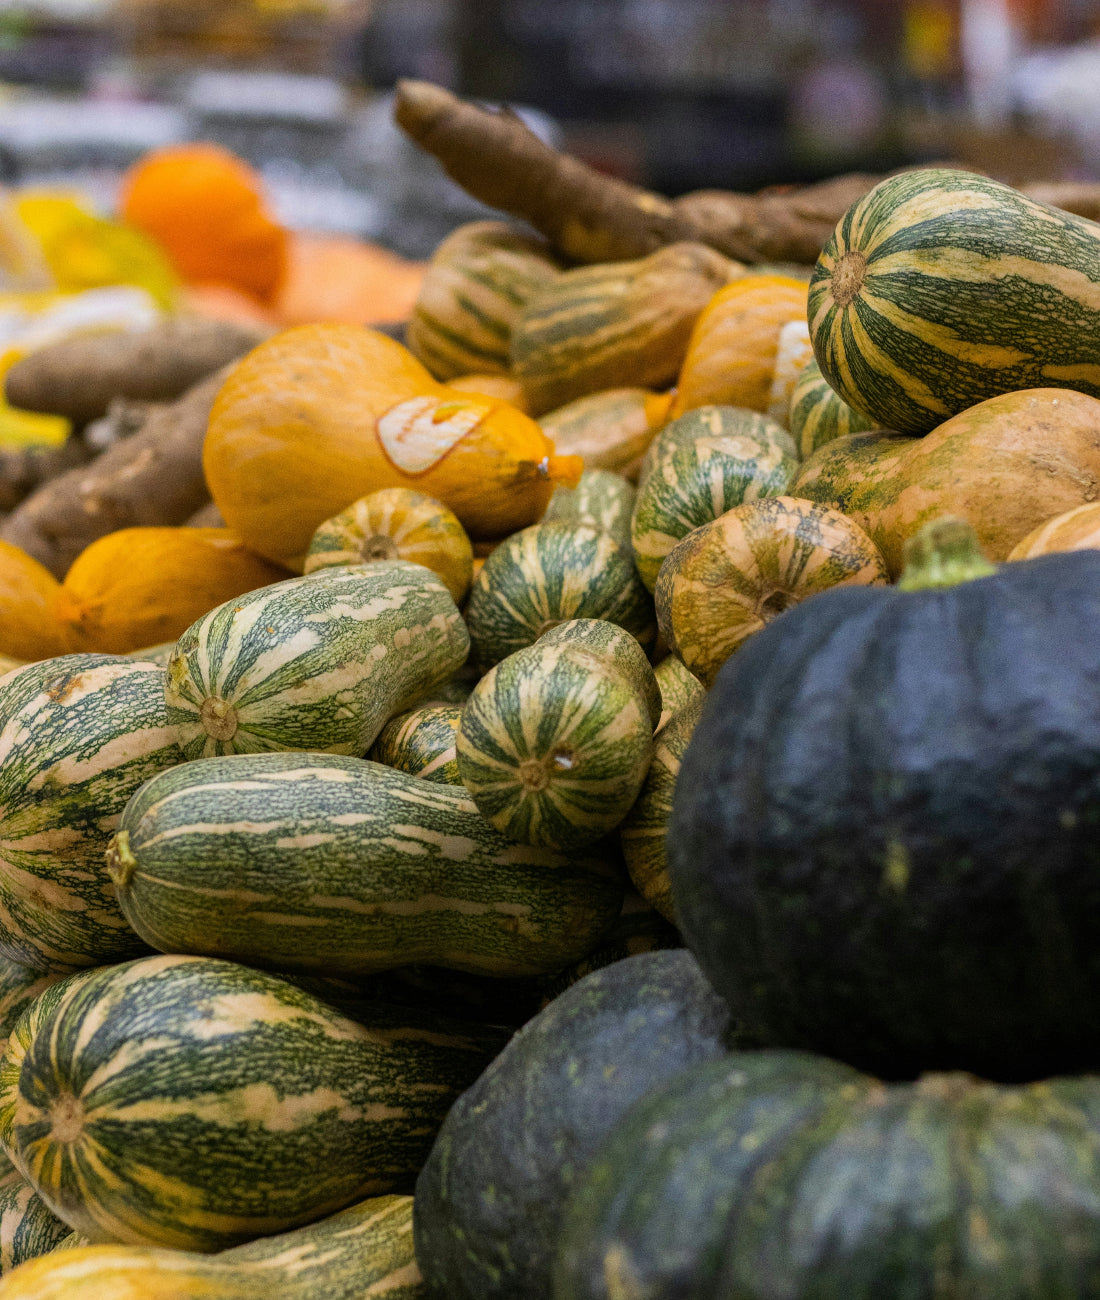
[
  {"x": 610, "y": 430},
  {"x": 1076, "y": 530},
  {"x": 503, "y": 387}
]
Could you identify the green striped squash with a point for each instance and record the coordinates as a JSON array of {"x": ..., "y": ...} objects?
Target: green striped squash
[
  {"x": 154, "y": 654},
  {"x": 719, "y": 423},
  {"x": 602, "y": 499},
  {"x": 819, "y": 414},
  {"x": 696, "y": 481},
  {"x": 78, "y": 735},
  {"x": 362, "y": 1252},
  {"x": 554, "y": 745},
  {"x": 610, "y": 641},
  {"x": 941, "y": 288},
  {"x": 455, "y": 690},
  {"x": 478, "y": 282},
  {"x": 19, "y": 987},
  {"x": 642, "y": 833},
  {"x": 28, "y": 1227},
  {"x": 314, "y": 663},
  {"x": 611, "y": 429},
  {"x": 678, "y": 688},
  {"x": 614, "y": 324},
  {"x": 310, "y": 862},
  {"x": 422, "y": 743},
  {"x": 194, "y": 1103},
  {"x": 548, "y": 574}
]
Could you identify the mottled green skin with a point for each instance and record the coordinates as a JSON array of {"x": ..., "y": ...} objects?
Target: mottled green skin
[
  {"x": 218, "y": 1104},
  {"x": 719, "y": 422},
  {"x": 78, "y": 735},
  {"x": 155, "y": 654},
  {"x": 316, "y": 663},
  {"x": 422, "y": 743},
  {"x": 602, "y": 499},
  {"x": 28, "y": 1228},
  {"x": 316, "y": 863},
  {"x": 968, "y": 289},
  {"x": 610, "y": 641},
  {"x": 547, "y": 574},
  {"x": 779, "y": 1175},
  {"x": 19, "y": 987},
  {"x": 490, "y": 1197},
  {"x": 818, "y": 413},
  {"x": 678, "y": 687},
  {"x": 554, "y": 745}
]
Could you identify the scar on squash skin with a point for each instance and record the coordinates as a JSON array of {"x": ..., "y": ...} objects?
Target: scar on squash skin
[{"x": 848, "y": 276}]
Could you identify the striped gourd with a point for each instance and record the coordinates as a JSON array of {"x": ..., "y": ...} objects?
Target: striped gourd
[
  {"x": 611, "y": 430},
  {"x": 642, "y": 833},
  {"x": 554, "y": 745},
  {"x": 28, "y": 1227},
  {"x": 615, "y": 323},
  {"x": 364, "y": 1251},
  {"x": 795, "y": 350},
  {"x": 602, "y": 499},
  {"x": 819, "y": 414},
  {"x": 678, "y": 687},
  {"x": 314, "y": 663},
  {"x": 422, "y": 743},
  {"x": 611, "y": 642},
  {"x": 154, "y": 654},
  {"x": 19, "y": 987},
  {"x": 78, "y": 735},
  {"x": 700, "y": 479},
  {"x": 730, "y": 578},
  {"x": 735, "y": 422},
  {"x": 454, "y": 690},
  {"x": 397, "y": 524},
  {"x": 548, "y": 574},
  {"x": 310, "y": 862},
  {"x": 194, "y": 1103},
  {"x": 941, "y": 288}
]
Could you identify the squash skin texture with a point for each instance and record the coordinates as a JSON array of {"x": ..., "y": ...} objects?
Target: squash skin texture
[
  {"x": 883, "y": 840},
  {"x": 1076, "y": 530},
  {"x": 486, "y": 1214}
]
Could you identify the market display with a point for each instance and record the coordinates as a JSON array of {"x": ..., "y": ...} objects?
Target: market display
[{"x": 596, "y": 799}]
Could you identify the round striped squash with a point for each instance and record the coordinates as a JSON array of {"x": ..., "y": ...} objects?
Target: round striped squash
[
  {"x": 20, "y": 986},
  {"x": 610, "y": 641},
  {"x": 554, "y": 745},
  {"x": 78, "y": 735},
  {"x": 1075, "y": 530},
  {"x": 154, "y": 654},
  {"x": 678, "y": 688},
  {"x": 28, "y": 1227},
  {"x": 602, "y": 499},
  {"x": 246, "y": 854},
  {"x": 313, "y": 663},
  {"x": 611, "y": 429},
  {"x": 818, "y": 413},
  {"x": 730, "y": 578},
  {"x": 397, "y": 524},
  {"x": 422, "y": 743},
  {"x": 364, "y": 1251},
  {"x": 754, "y": 434},
  {"x": 548, "y": 574},
  {"x": 701, "y": 478},
  {"x": 193, "y": 1103},
  {"x": 941, "y": 288}
]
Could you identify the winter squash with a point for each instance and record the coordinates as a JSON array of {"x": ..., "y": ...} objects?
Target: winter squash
[
  {"x": 602, "y": 499},
  {"x": 333, "y": 278},
  {"x": 610, "y": 430},
  {"x": 29, "y": 623},
  {"x": 1076, "y": 530},
  {"x": 818, "y": 413},
  {"x": 422, "y": 743}
]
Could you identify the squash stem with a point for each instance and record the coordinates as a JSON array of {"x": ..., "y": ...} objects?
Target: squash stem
[{"x": 945, "y": 553}]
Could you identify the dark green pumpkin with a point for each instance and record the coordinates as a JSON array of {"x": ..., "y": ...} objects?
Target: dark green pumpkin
[
  {"x": 884, "y": 842},
  {"x": 783, "y": 1176},
  {"x": 602, "y": 499},
  {"x": 489, "y": 1198}
]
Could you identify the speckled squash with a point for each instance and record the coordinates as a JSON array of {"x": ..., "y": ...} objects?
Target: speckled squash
[
  {"x": 548, "y": 574},
  {"x": 614, "y": 323},
  {"x": 730, "y": 578},
  {"x": 719, "y": 422},
  {"x": 154, "y": 654},
  {"x": 610, "y": 429},
  {"x": 29, "y": 625},
  {"x": 702, "y": 477},
  {"x": 28, "y": 1227},
  {"x": 554, "y": 745},
  {"x": 19, "y": 987},
  {"x": 1076, "y": 530},
  {"x": 678, "y": 688},
  {"x": 612, "y": 642},
  {"x": 486, "y": 1228},
  {"x": 818, "y": 413},
  {"x": 314, "y": 663},
  {"x": 477, "y": 283},
  {"x": 422, "y": 743},
  {"x": 642, "y": 833},
  {"x": 602, "y": 499},
  {"x": 397, "y": 524}
]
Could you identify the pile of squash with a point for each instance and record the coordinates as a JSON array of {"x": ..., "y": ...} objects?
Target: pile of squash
[{"x": 611, "y": 815}]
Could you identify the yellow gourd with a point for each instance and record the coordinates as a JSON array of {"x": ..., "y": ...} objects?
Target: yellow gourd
[
  {"x": 29, "y": 593},
  {"x": 502, "y": 386},
  {"x": 323, "y": 414}
]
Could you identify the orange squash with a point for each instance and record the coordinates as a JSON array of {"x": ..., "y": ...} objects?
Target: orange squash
[
  {"x": 321, "y": 415},
  {"x": 732, "y": 352},
  {"x": 205, "y": 208},
  {"x": 1075, "y": 530},
  {"x": 329, "y": 278},
  {"x": 502, "y": 386},
  {"x": 29, "y": 626}
]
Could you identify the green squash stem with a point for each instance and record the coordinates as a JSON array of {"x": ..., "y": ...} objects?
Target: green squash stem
[{"x": 944, "y": 553}]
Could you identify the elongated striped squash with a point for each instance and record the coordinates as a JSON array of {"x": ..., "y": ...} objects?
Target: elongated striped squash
[
  {"x": 602, "y": 499},
  {"x": 422, "y": 743},
  {"x": 548, "y": 574},
  {"x": 611, "y": 429},
  {"x": 818, "y": 413},
  {"x": 363, "y": 1251},
  {"x": 28, "y": 1227},
  {"x": 397, "y": 524},
  {"x": 610, "y": 641},
  {"x": 314, "y": 663},
  {"x": 193, "y": 1103},
  {"x": 554, "y": 745},
  {"x": 478, "y": 281},
  {"x": 678, "y": 687},
  {"x": 614, "y": 324},
  {"x": 941, "y": 288},
  {"x": 309, "y": 862},
  {"x": 78, "y": 735}
]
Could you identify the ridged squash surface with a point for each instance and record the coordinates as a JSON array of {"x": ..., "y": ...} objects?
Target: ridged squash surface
[{"x": 422, "y": 743}]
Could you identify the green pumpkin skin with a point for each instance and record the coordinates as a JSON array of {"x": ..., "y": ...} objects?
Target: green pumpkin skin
[
  {"x": 774, "y": 1173},
  {"x": 28, "y": 1227},
  {"x": 602, "y": 499},
  {"x": 678, "y": 687},
  {"x": 487, "y": 1208},
  {"x": 819, "y": 414},
  {"x": 422, "y": 743},
  {"x": 766, "y": 437},
  {"x": 611, "y": 642}
]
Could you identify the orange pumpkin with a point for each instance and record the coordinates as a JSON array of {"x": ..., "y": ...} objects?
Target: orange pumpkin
[
  {"x": 205, "y": 208},
  {"x": 502, "y": 386},
  {"x": 1076, "y": 530},
  {"x": 29, "y": 626},
  {"x": 329, "y": 278}
]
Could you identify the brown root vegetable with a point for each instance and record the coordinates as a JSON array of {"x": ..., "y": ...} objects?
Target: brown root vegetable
[
  {"x": 207, "y": 516},
  {"x": 23, "y": 470},
  {"x": 79, "y": 377},
  {"x": 153, "y": 477}
]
